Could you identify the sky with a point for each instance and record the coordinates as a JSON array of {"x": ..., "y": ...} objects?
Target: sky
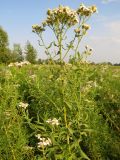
[{"x": 18, "y": 16}]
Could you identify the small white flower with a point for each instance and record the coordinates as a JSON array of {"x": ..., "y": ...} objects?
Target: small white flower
[
  {"x": 19, "y": 64},
  {"x": 26, "y": 62},
  {"x": 38, "y": 136},
  {"x": 43, "y": 141},
  {"x": 23, "y": 105},
  {"x": 11, "y": 65},
  {"x": 53, "y": 121},
  {"x": 49, "y": 121}
]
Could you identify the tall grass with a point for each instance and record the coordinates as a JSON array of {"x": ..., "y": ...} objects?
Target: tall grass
[{"x": 81, "y": 99}]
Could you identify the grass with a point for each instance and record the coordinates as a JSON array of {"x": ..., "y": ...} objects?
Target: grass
[{"x": 84, "y": 100}]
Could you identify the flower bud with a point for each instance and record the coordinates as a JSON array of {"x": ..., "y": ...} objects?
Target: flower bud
[
  {"x": 85, "y": 26},
  {"x": 77, "y": 30},
  {"x": 94, "y": 9},
  {"x": 49, "y": 12}
]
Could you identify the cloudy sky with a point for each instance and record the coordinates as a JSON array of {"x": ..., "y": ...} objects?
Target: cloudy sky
[{"x": 17, "y": 17}]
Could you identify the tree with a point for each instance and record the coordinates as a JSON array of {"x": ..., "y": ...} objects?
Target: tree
[
  {"x": 30, "y": 52},
  {"x": 17, "y": 53},
  {"x": 5, "y": 53},
  {"x": 3, "y": 39}
]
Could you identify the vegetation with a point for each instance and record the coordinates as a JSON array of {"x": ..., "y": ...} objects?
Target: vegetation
[
  {"x": 16, "y": 54},
  {"x": 57, "y": 110},
  {"x": 30, "y": 52}
]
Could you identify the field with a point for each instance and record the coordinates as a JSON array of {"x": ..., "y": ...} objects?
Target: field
[{"x": 60, "y": 112}]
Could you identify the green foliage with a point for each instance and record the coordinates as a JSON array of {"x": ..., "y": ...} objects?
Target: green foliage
[
  {"x": 6, "y": 55},
  {"x": 4, "y": 51},
  {"x": 17, "y": 53},
  {"x": 3, "y": 39},
  {"x": 30, "y": 52},
  {"x": 75, "y": 97}
]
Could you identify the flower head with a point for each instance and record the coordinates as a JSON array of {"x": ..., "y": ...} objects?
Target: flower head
[
  {"x": 19, "y": 64},
  {"x": 37, "y": 28},
  {"x": 77, "y": 30},
  {"x": 23, "y": 105},
  {"x": 86, "y": 11},
  {"x": 53, "y": 121},
  {"x": 43, "y": 142},
  {"x": 61, "y": 15},
  {"x": 85, "y": 27}
]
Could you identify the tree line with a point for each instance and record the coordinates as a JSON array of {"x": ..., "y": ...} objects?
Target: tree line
[{"x": 17, "y": 54}]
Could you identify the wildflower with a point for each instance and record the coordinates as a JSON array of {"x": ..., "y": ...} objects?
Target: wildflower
[
  {"x": 38, "y": 136},
  {"x": 86, "y": 11},
  {"x": 62, "y": 15},
  {"x": 25, "y": 62},
  {"x": 37, "y": 28},
  {"x": 85, "y": 26},
  {"x": 11, "y": 65},
  {"x": 77, "y": 30},
  {"x": 88, "y": 50},
  {"x": 23, "y": 105},
  {"x": 49, "y": 12},
  {"x": 19, "y": 64},
  {"x": 53, "y": 121},
  {"x": 43, "y": 142},
  {"x": 44, "y": 23},
  {"x": 94, "y": 9}
]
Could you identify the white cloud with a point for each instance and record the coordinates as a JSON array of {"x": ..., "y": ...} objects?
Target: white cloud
[
  {"x": 114, "y": 26},
  {"x": 107, "y": 44},
  {"x": 106, "y": 49},
  {"x": 109, "y": 1}
]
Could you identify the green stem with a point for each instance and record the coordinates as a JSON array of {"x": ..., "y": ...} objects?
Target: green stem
[
  {"x": 69, "y": 48},
  {"x": 79, "y": 40},
  {"x": 44, "y": 44},
  {"x": 60, "y": 47},
  {"x": 12, "y": 151},
  {"x": 66, "y": 125}
]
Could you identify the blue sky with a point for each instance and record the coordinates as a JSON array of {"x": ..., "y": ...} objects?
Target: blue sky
[{"x": 17, "y": 17}]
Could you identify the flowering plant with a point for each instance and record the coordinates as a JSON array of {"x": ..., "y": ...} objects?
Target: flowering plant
[{"x": 60, "y": 20}]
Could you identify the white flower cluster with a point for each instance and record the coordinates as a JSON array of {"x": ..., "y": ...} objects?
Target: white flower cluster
[
  {"x": 37, "y": 28},
  {"x": 62, "y": 14},
  {"x": 86, "y": 11},
  {"x": 53, "y": 121},
  {"x": 56, "y": 17},
  {"x": 43, "y": 142},
  {"x": 89, "y": 86},
  {"x": 23, "y": 105},
  {"x": 19, "y": 64}
]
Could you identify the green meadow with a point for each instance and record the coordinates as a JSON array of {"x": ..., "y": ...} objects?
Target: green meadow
[{"x": 74, "y": 108}]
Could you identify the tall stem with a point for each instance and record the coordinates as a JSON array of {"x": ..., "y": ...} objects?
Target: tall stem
[{"x": 60, "y": 48}]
